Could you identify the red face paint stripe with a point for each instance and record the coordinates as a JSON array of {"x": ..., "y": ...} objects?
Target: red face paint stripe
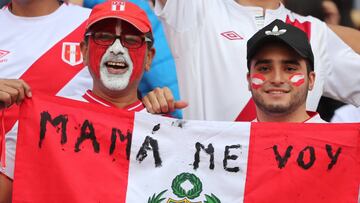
[
  {"x": 297, "y": 79},
  {"x": 257, "y": 80},
  {"x": 137, "y": 56}
]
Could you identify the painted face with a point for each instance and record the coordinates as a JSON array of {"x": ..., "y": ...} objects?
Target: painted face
[
  {"x": 116, "y": 66},
  {"x": 278, "y": 79}
]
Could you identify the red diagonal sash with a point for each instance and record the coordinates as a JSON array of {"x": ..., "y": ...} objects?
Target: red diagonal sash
[
  {"x": 48, "y": 74},
  {"x": 248, "y": 113}
]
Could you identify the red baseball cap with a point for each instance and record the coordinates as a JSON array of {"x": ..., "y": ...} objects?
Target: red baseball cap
[{"x": 123, "y": 10}]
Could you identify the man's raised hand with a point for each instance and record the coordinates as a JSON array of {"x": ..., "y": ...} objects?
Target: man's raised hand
[
  {"x": 161, "y": 100},
  {"x": 13, "y": 91}
]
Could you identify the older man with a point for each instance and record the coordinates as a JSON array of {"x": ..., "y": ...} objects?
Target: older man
[{"x": 117, "y": 48}]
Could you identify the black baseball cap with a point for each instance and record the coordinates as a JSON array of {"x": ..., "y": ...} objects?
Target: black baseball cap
[{"x": 278, "y": 31}]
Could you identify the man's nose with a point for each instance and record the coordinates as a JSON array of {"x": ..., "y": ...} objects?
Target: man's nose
[
  {"x": 117, "y": 48},
  {"x": 278, "y": 77}
]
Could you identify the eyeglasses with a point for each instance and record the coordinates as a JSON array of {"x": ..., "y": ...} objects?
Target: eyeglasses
[{"x": 129, "y": 41}]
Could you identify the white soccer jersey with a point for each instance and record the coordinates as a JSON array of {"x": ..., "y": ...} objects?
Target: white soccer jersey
[
  {"x": 315, "y": 118},
  {"x": 45, "y": 52},
  {"x": 208, "y": 41},
  {"x": 26, "y": 40}
]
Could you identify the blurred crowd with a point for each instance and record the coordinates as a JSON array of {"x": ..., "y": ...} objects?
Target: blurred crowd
[{"x": 342, "y": 12}]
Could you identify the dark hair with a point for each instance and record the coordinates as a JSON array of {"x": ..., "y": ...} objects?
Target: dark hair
[
  {"x": 345, "y": 7},
  {"x": 309, "y": 67}
]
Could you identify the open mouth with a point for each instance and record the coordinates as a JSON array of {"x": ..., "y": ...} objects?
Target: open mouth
[
  {"x": 114, "y": 67},
  {"x": 277, "y": 92}
]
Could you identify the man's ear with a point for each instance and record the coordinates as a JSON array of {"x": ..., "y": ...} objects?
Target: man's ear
[
  {"x": 149, "y": 57},
  {"x": 84, "y": 52},
  {"x": 311, "y": 80}
]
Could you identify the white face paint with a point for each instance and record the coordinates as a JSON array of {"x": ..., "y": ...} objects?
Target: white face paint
[
  {"x": 117, "y": 75},
  {"x": 257, "y": 81},
  {"x": 296, "y": 78}
]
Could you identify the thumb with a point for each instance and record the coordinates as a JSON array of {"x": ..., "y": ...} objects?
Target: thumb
[
  {"x": 180, "y": 104},
  {"x": 27, "y": 90}
]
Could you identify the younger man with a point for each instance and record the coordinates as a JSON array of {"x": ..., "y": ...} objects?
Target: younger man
[{"x": 281, "y": 72}]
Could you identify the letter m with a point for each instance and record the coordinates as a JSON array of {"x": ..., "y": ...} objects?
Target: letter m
[{"x": 45, "y": 118}]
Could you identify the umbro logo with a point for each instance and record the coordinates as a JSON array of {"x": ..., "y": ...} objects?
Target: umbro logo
[
  {"x": 3, "y": 53},
  {"x": 232, "y": 35}
]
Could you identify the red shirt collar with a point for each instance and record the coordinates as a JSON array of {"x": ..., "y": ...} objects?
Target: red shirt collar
[
  {"x": 311, "y": 114},
  {"x": 92, "y": 98}
]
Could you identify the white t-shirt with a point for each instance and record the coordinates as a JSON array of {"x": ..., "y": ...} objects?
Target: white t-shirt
[
  {"x": 346, "y": 114},
  {"x": 208, "y": 41},
  {"x": 38, "y": 47}
]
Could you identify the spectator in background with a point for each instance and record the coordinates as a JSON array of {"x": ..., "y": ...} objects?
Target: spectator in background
[
  {"x": 3, "y": 3},
  {"x": 345, "y": 7},
  {"x": 355, "y": 14},
  {"x": 332, "y": 14},
  {"x": 306, "y": 7},
  {"x": 325, "y": 10}
]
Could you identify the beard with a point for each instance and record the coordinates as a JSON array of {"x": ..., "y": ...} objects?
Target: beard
[
  {"x": 115, "y": 82},
  {"x": 119, "y": 81}
]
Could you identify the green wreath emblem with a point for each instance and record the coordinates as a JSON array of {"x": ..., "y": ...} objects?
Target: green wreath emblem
[{"x": 180, "y": 192}]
